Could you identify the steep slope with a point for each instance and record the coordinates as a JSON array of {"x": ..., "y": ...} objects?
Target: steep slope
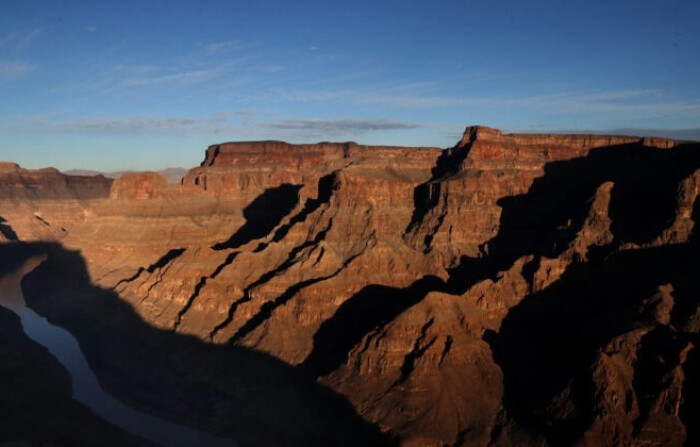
[{"x": 515, "y": 289}]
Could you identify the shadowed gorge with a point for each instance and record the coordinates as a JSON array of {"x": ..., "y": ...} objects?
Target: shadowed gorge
[
  {"x": 263, "y": 214},
  {"x": 215, "y": 372},
  {"x": 515, "y": 289},
  {"x": 548, "y": 342}
]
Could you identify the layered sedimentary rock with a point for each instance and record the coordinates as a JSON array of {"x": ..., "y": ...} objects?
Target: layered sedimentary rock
[{"x": 515, "y": 289}]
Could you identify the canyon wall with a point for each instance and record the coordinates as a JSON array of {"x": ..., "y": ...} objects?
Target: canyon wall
[{"x": 514, "y": 289}]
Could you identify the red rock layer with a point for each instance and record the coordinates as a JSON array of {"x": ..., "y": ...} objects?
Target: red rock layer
[{"x": 481, "y": 295}]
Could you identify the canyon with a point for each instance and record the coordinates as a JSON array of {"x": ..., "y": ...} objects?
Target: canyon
[{"x": 515, "y": 289}]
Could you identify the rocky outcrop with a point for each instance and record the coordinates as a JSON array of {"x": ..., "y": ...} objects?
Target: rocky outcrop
[{"x": 514, "y": 289}]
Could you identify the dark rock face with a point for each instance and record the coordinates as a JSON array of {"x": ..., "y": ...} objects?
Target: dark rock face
[
  {"x": 512, "y": 290},
  {"x": 36, "y": 407}
]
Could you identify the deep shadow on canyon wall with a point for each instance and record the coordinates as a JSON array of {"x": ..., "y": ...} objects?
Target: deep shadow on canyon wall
[
  {"x": 545, "y": 220},
  {"x": 547, "y": 344},
  {"x": 542, "y": 222},
  {"x": 247, "y": 395},
  {"x": 36, "y": 404},
  {"x": 545, "y": 347}
]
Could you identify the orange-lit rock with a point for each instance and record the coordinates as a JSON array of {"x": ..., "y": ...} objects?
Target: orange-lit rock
[{"x": 501, "y": 292}]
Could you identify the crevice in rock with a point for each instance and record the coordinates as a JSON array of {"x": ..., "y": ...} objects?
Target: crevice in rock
[
  {"x": 266, "y": 309},
  {"x": 426, "y": 195},
  {"x": 529, "y": 270},
  {"x": 160, "y": 263},
  {"x": 198, "y": 288},
  {"x": 267, "y": 276},
  {"x": 326, "y": 185},
  {"x": 263, "y": 214},
  {"x": 428, "y": 240},
  {"x": 409, "y": 361},
  {"x": 42, "y": 220},
  {"x": 229, "y": 259},
  {"x": 321, "y": 252},
  {"x": 377, "y": 335},
  {"x": 190, "y": 300},
  {"x": 369, "y": 309},
  {"x": 161, "y": 275},
  {"x": 446, "y": 349}
]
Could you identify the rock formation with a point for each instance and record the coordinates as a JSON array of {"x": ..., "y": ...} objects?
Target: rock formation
[{"x": 515, "y": 289}]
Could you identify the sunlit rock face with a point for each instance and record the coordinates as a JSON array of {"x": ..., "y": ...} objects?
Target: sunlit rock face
[{"x": 514, "y": 289}]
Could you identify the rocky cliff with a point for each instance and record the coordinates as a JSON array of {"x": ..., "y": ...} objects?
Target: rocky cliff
[{"x": 514, "y": 289}]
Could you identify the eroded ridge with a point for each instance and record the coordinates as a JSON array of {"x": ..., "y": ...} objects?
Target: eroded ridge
[{"x": 523, "y": 289}]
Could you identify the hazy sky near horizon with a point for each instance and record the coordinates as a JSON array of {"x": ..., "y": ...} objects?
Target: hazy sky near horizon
[{"x": 149, "y": 84}]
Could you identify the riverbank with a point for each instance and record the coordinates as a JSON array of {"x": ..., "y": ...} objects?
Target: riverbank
[
  {"x": 78, "y": 379},
  {"x": 36, "y": 404}
]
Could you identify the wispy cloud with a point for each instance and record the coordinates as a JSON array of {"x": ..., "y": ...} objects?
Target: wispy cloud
[
  {"x": 12, "y": 69},
  {"x": 19, "y": 40},
  {"x": 91, "y": 29},
  {"x": 184, "y": 77},
  {"x": 125, "y": 124},
  {"x": 140, "y": 123},
  {"x": 410, "y": 101},
  {"x": 628, "y": 103},
  {"x": 228, "y": 45},
  {"x": 641, "y": 103},
  {"x": 228, "y": 121},
  {"x": 33, "y": 34},
  {"x": 331, "y": 127}
]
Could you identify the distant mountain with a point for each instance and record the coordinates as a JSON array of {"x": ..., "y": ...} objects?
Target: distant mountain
[{"x": 174, "y": 175}]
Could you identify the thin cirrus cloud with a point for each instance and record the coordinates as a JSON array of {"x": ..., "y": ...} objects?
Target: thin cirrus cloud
[
  {"x": 332, "y": 127},
  {"x": 121, "y": 77},
  {"x": 12, "y": 69},
  {"x": 147, "y": 76},
  {"x": 19, "y": 40},
  {"x": 238, "y": 121},
  {"x": 221, "y": 47},
  {"x": 645, "y": 103},
  {"x": 137, "y": 123},
  {"x": 185, "y": 77}
]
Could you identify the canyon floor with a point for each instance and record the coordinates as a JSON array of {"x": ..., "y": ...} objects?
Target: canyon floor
[{"x": 515, "y": 289}]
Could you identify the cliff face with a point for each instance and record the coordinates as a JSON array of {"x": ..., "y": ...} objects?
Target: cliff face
[{"x": 514, "y": 289}]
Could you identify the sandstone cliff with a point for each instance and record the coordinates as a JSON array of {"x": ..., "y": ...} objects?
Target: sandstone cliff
[{"x": 515, "y": 289}]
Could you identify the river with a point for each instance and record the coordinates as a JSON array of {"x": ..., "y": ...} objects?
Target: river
[{"x": 86, "y": 388}]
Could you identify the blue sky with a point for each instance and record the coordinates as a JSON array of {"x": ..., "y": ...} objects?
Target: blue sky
[{"x": 149, "y": 84}]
